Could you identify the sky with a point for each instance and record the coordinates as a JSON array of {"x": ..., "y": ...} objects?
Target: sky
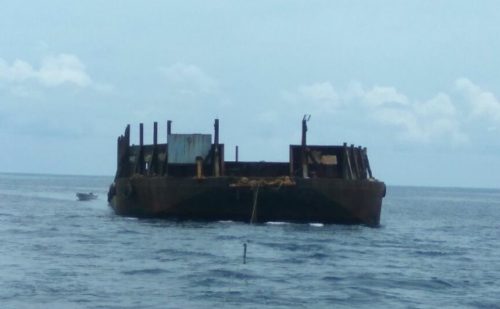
[{"x": 416, "y": 82}]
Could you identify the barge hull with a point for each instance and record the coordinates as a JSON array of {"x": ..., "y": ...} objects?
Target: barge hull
[{"x": 323, "y": 200}]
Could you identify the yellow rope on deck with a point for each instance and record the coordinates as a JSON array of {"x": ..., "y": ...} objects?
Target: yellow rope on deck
[{"x": 263, "y": 182}]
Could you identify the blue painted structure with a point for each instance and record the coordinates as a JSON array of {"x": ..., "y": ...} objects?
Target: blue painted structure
[{"x": 184, "y": 148}]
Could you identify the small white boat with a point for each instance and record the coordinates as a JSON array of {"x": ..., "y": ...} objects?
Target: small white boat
[{"x": 86, "y": 196}]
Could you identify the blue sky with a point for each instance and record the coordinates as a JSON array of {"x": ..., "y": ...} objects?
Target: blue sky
[{"x": 416, "y": 82}]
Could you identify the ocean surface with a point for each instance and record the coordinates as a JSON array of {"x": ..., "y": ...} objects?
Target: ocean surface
[{"x": 436, "y": 248}]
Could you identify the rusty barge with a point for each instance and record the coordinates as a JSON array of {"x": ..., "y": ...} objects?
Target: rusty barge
[{"x": 188, "y": 178}]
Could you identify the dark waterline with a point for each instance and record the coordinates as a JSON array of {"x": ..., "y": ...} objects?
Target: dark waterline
[{"x": 436, "y": 247}]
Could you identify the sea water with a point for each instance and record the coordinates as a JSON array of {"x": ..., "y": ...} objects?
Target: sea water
[{"x": 435, "y": 248}]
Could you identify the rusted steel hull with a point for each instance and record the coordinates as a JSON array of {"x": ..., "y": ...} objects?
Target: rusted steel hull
[{"x": 324, "y": 200}]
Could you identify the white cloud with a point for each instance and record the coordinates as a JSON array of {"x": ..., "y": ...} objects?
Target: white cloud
[
  {"x": 63, "y": 69},
  {"x": 323, "y": 97},
  {"x": 433, "y": 120},
  {"x": 320, "y": 92},
  {"x": 378, "y": 96},
  {"x": 317, "y": 97},
  {"x": 424, "y": 122},
  {"x": 439, "y": 106},
  {"x": 54, "y": 71},
  {"x": 483, "y": 103},
  {"x": 189, "y": 79},
  {"x": 18, "y": 71}
]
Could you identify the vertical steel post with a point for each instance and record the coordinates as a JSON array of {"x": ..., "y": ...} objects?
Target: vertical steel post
[
  {"x": 305, "y": 172},
  {"x": 140, "y": 159},
  {"x": 216, "y": 129},
  {"x": 153, "y": 170},
  {"x": 304, "y": 132},
  {"x": 155, "y": 133},
  {"x": 169, "y": 127},
  {"x": 347, "y": 163},
  {"x": 216, "y": 149},
  {"x": 362, "y": 164},
  {"x": 165, "y": 161},
  {"x": 356, "y": 165},
  {"x": 125, "y": 168}
]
